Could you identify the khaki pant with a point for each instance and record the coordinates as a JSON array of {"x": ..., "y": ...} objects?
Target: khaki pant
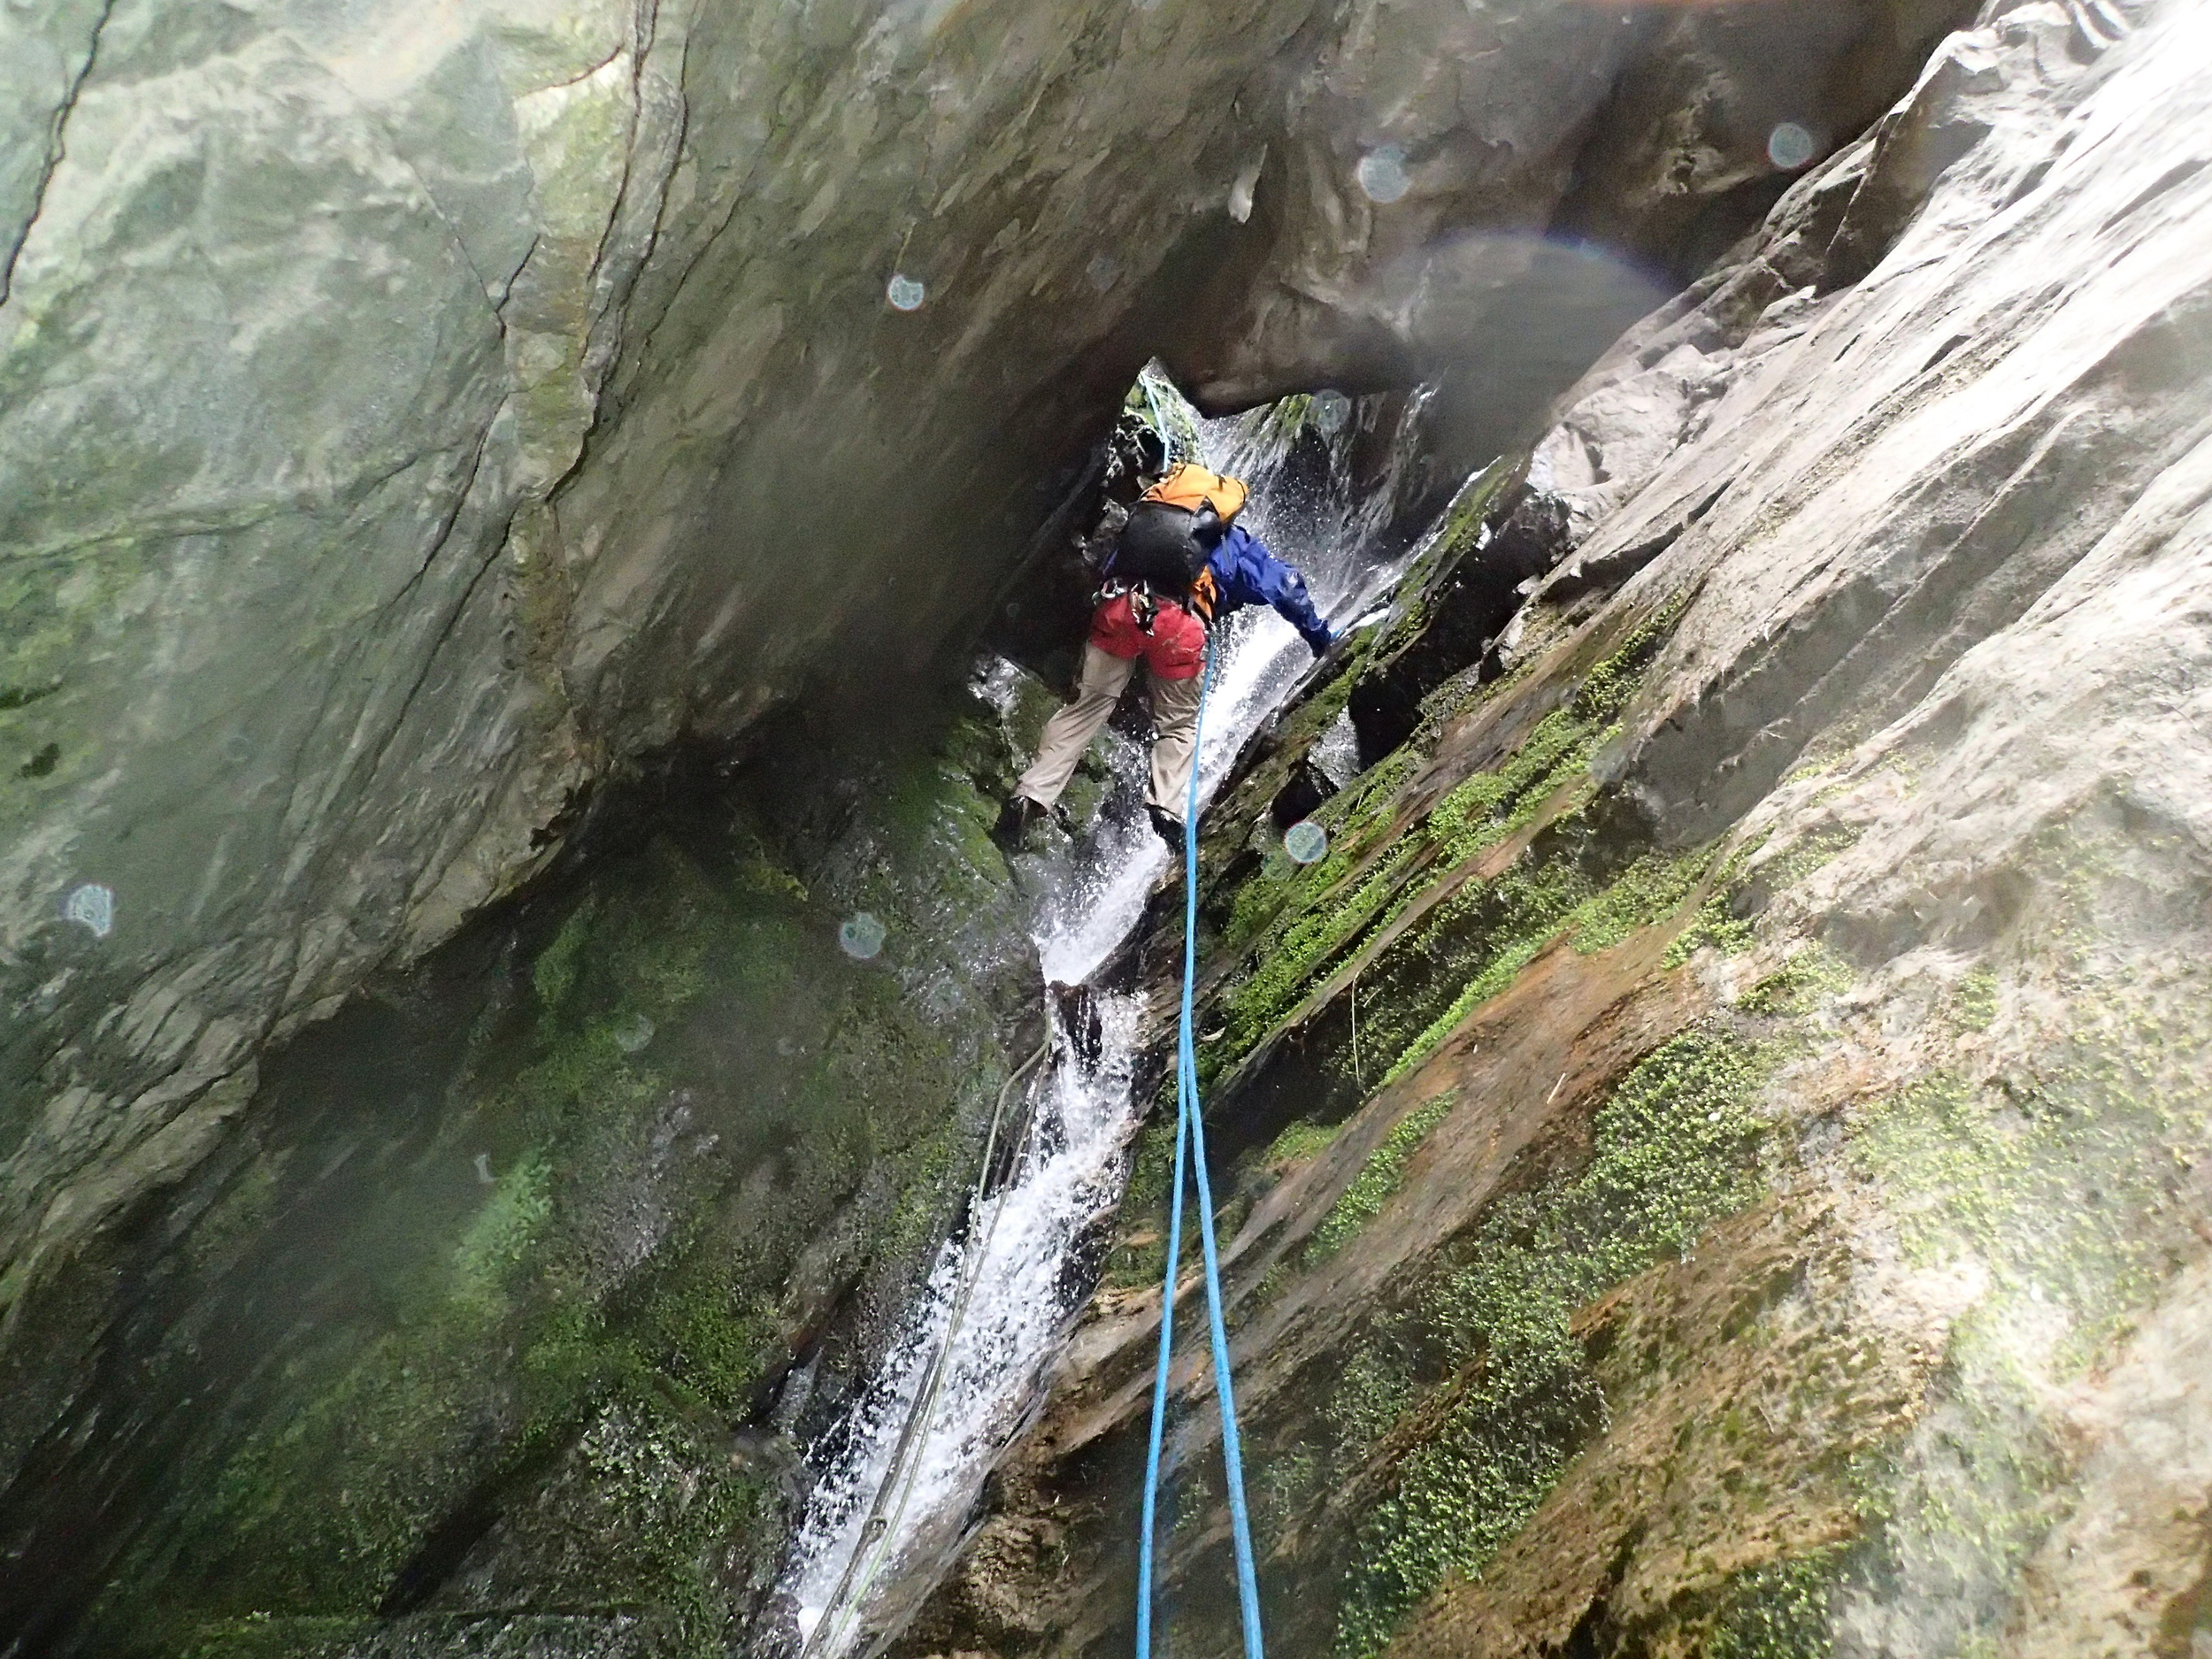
[{"x": 1069, "y": 732}]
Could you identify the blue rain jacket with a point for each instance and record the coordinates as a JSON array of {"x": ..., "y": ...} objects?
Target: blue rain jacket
[{"x": 1247, "y": 574}]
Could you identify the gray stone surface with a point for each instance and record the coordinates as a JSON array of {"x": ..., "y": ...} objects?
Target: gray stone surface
[
  {"x": 409, "y": 412},
  {"x": 1909, "y": 502},
  {"x": 1863, "y": 483}
]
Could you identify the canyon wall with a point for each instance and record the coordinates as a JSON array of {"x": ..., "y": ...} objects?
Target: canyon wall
[
  {"x": 412, "y": 413},
  {"x": 1716, "y": 1157},
  {"x": 419, "y": 423}
]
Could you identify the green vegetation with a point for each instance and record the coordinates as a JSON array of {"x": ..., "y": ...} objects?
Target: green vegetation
[
  {"x": 1780, "y": 1610},
  {"x": 1317, "y": 917},
  {"x": 1378, "y": 1178},
  {"x": 1300, "y": 1142},
  {"x": 2053, "y": 1178},
  {"x": 1142, "y": 1261},
  {"x": 567, "y": 1306},
  {"x": 1974, "y": 1000},
  {"x": 554, "y": 975},
  {"x": 1539, "y": 901},
  {"x": 1674, "y": 1149},
  {"x": 1809, "y": 975}
]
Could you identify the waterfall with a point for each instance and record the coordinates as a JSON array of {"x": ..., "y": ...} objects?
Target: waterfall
[{"x": 1015, "y": 1258}]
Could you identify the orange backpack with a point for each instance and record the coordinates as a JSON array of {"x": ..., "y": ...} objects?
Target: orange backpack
[{"x": 1193, "y": 487}]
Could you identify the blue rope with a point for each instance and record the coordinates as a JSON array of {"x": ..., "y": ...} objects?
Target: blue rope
[{"x": 1190, "y": 1133}]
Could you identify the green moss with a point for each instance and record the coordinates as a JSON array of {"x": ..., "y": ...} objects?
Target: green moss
[
  {"x": 710, "y": 1334},
  {"x": 258, "y": 1636},
  {"x": 1974, "y": 1000},
  {"x": 1807, "y": 854},
  {"x": 1297, "y": 925},
  {"x": 1373, "y": 1391},
  {"x": 1378, "y": 1178},
  {"x": 1673, "y": 1150},
  {"x": 2054, "y": 1177},
  {"x": 1780, "y": 1610},
  {"x": 500, "y": 1235},
  {"x": 1801, "y": 981},
  {"x": 1714, "y": 927},
  {"x": 660, "y": 1511},
  {"x": 554, "y": 975},
  {"x": 1143, "y": 1260},
  {"x": 1487, "y": 807},
  {"x": 1539, "y": 902},
  {"x": 1476, "y": 817},
  {"x": 1278, "y": 425},
  {"x": 1433, "y": 566},
  {"x": 1302, "y": 1141},
  {"x": 1651, "y": 889},
  {"x": 513, "y": 1318},
  {"x": 1717, "y": 924},
  {"x": 1286, "y": 1484}
]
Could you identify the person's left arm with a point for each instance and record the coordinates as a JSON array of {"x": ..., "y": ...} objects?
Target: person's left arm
[{"x": 1254, "y": 576}]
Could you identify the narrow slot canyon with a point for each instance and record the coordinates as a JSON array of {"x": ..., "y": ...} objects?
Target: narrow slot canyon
[{"x": 567, "y": 1091}]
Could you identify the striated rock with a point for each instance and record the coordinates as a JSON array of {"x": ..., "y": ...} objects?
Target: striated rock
[
  {"x": 1715, "y": 1159},
  {"x": 491, "y": 1328},
  {"x": 414, "y": 413}
]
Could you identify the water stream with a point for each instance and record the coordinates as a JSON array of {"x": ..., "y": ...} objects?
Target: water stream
[{"x": 852, "y": 1586}]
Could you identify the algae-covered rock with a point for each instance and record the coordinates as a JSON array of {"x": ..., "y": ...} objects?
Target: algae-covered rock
[
  {"x": 411, "y": 413},
  {"x": 1713, "y": 1159},
  {"x": 505, "y": 1328}
]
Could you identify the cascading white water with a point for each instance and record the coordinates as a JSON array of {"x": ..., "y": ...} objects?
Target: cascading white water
[{"x": 853, "y": 1590}]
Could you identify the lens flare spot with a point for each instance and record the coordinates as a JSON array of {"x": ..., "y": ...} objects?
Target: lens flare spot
[
  {"x": 904, "y": 293},
  {"x": 861, "y": 936},
  {"x": 1306, "y": 842},
  {"x": 1789, "y": 147},
  {"x": 633, "y": 1034},
  {"x": 1331, "y": 409},
  {"x": 91, "y": 906},
  {"x": 1382, "y": 173}
]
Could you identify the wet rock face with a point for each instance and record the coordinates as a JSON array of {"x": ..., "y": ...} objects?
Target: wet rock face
[
  {"x": 411, "y": 412},
  {"x": 1720, "y": 1142},
  {"x": 499, "y": 1326}
]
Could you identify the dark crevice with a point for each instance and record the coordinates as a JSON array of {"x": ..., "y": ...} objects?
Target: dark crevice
[{"x": 56, "y": 148}]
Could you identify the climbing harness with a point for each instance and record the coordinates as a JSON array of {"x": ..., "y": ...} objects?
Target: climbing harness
[
  {"x": 889, "y": 1510},
  {"x": 1190, "y": 1139}
]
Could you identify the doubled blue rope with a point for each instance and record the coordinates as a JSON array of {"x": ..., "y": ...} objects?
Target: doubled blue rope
[{"x": 1190, "y": 1137}]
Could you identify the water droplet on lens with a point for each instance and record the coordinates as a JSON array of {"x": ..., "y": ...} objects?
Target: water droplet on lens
[
  {"x": 633, "y": 1034},
  {"x": 861, "y": 937},
  {"x": 1790, "y": 146},
  {"x": 1306, "y": 842},
  {"x": 1331, "y": 409},
  {"x": 93, "y": 906},
  {"x": 904, "y": 293},
  {"x": 1382, "y": 173}
]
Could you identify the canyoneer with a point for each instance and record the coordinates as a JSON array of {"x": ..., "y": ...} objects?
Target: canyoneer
[{"x": 1182, "y": 563}]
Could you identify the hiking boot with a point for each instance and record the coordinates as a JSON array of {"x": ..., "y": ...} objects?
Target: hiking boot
[
  {"x": 1168, "y": 826},
  {"x": 1014, "y": 819}
]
